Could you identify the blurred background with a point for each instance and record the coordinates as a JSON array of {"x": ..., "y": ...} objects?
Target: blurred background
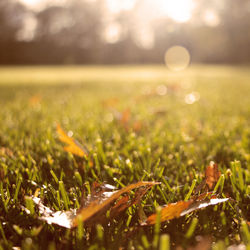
[{"x": 123, "y": 31}]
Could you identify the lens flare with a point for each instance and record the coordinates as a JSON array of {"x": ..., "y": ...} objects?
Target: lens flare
[{"x": 177, "y": 58}]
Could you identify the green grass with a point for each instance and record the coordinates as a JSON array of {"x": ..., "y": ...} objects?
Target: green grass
[{"x": 172, "y": 147}]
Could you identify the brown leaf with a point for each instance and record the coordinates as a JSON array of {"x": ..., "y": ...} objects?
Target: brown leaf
[
  {"x": 125, "y": 118},
  {"x": 169, "y": 212},
  {"x": 212, "y": 174},
  {"x": 35, "y": 100},
  {"x": 93, "y": 208},
  {"x": 122, "y": 204},
  {"x": 181, "y": 208},
  {"x": 73, "y": 146},
  {"x": 125, "y": 202},
  {"x": 137, "y": 126}
]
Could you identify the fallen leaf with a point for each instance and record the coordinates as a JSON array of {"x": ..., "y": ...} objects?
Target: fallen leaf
[
  {"x": 101, "y": 199},
  {"x": 73, "y": 146},
  {"x": 169, "y": 212},
  {"x": 212, "y": 174},
  {"x": 60, "y": 218},
  {"x": 126, "y": 120},
  {"x": 202, "y": 204},
  {"x": 35, "y": 100},
  {"x": 86, "y": 213},
  {"x": 125, "y": 202},
  {"x": 99, "y": 193},
  {"x": 181, "y": 208},
  {"x": 137, "y": 126}
]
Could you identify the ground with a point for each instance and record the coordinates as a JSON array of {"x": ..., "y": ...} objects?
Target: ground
[{"x": 138, "y": 123}]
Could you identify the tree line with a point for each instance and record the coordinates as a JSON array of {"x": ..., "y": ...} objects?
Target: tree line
[{"x": 74, "y": 34}]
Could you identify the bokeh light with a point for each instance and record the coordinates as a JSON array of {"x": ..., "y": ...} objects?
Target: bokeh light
[
  {"x": 192, "y": 97},
  {"x": 177, "y": 58},
  {"x": 161, "y": 90}
]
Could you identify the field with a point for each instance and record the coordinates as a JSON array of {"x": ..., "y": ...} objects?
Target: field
[{"x": 139, "y": 123}]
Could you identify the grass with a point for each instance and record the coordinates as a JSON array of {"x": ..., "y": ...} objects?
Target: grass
[{"x": 174, "y": 145}]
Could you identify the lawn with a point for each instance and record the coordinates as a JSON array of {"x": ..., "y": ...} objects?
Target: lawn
[{"x": 138, "y": 123}]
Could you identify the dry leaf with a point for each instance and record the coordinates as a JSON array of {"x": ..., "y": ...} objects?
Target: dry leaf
[
  {"x": 203, "y": 204},
  {"x": 73, "y": 146},
  {"x": 99, "y": 193},
  {"x": 125, "y": 118},
  {"x": 212, "y": 174},
  {"x": 125, "y": 202},
  {"x": 137, "y": 126},
  {"x": 169, "y": 212},
  {"x": 181, "y": 208},
  {"x": 94, "y": 207},
  {"x": 35, "y": 100},
  {"x": 126, "y": 121},
  {"x": 61, "y": 218}
]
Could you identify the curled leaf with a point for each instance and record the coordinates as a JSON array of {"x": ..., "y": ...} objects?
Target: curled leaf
[
  {"x": 96, "y": 207},
  {"x": 93, "y": 209},
  {"x": 202, "y": 204},
  {"x": 181, "y": 208},
  {"x": 73, "y": 146},
  {"x": 125, "y": 202},
  {"x": 169, "y": 212}
]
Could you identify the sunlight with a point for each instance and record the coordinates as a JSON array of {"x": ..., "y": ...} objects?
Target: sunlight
[
  {"x": 116, "y": 6},
  {"x": 32, "y": 3},
  {"x": 38, "y": 5},
  {"x": 112, "y": 33},
  {"x": 211, "y": 18},
  {"x": 178, "y": 10}
]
